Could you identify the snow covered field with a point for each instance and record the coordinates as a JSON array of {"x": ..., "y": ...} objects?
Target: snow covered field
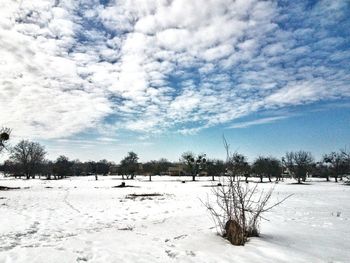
[{"x": 80, "y": 219}]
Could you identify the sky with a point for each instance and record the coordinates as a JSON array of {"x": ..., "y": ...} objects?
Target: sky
[{"x": 95, "y": 79}]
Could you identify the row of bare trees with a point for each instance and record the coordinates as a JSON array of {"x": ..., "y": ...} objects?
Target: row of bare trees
[
  {"x": 29, "y": 159},
  {"x": 297, "y": 164}
]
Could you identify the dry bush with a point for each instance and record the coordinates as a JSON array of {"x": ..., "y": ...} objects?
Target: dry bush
[{"x": 238, "y": 209}]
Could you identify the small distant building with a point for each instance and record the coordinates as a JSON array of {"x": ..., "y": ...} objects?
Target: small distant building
[
  {"x": 177, "y": 170},
  {"x": 113, "y": 169},
  {"x": 203, "y": 173},
  {"x": 180, "y": 169},
  {"x": 116, "y": 169}
]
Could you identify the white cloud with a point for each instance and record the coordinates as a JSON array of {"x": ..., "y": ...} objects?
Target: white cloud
[
  {"x": 67, "y": 66},
  {"x": 247, "y": 124}
]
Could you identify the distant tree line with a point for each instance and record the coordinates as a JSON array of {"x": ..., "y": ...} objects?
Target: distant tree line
[{"x": 28, "y": 160}]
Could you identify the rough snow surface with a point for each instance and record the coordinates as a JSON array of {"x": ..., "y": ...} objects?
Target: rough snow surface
[{"x": 82, "y": 220}]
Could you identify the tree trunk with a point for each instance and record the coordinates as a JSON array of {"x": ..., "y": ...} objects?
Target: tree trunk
[
  {"x": 261, "y": 178},
  {"x": 193, "y": 177}
]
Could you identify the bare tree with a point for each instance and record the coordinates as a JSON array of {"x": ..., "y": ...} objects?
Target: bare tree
[
  {"x": 260, "y": 167},
  {"x": 337, "y": 163},
  {"x": 102, "y": 167},
  {"x": 62, "y": 167},
  {"x": 299, "y": 164},
  {"x": 156, "y": 167},
  {"x": 129, "y": 165},
  {"x": 321, "y": 169},
  {"x": 194, "y": 164},
  {"x": 236, "y": 163},
  {"x": 188, "y": 158},
  {"x": 29, "y": 156},
  {"x": 267, "y": 166},
  {"x": 240, "y": 165},
  {"x": 215, "y": 168}
]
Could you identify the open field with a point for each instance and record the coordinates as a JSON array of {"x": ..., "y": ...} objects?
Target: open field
[{"x": 82, "y": 220}]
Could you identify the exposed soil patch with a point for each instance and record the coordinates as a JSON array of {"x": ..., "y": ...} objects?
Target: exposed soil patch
[
  {"x": 128, "y": 228},
  {"x": 212, "y": 185},
  {"x": 142, "y": 197},
  {"x": 6, "y": 188},
  {"x": 123, "y": 185},
  {"x": 300, "y": 184}
]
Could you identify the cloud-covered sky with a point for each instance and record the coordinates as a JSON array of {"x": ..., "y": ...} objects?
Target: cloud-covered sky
[{"x": 102, "y": 71}]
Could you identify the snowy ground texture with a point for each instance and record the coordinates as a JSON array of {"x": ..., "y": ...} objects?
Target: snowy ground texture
[{"x": 83, "y": 220}]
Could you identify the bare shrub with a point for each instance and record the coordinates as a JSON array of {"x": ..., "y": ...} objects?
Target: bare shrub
[{"x": 238, "y": 208}]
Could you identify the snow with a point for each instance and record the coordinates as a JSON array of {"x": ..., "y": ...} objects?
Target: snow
[{"x": 82, "y": 220}]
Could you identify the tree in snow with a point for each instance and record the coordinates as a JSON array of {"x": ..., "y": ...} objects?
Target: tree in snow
[
  {"x": 188, "y": 158},
  {"x": 194, "y": 164},
  {"x": 299, "y": 164},
  {"x": 240, "y": 165},
  {"x": 337, "y": 164},
  {"x": 129, "y": 165},
  {"x": 215, "y": 168},
  {"x": 260, "y": 167},
  {"x": 29, "y": 156},
  {"x": 236, "y": 163},
  {"x": 156, "y": 167},
  {"x": 321, "y": 169},
  {"x": 62, "y": 167},
  {"x": 267, "y": 167},
  {"x": 102, "y": 167}
]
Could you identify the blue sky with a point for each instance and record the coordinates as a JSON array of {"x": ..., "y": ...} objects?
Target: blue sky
[{"x": 96, "y": 79}]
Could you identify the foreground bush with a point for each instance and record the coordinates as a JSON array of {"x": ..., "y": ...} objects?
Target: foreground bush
[{"x": 238, "y": 208}]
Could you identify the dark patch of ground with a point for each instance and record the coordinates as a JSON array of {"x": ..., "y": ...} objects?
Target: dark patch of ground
[{"x": 6, "y": 188}]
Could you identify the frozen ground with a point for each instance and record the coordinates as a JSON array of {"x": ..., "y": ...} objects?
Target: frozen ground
[{"x": 80, "y": 219}]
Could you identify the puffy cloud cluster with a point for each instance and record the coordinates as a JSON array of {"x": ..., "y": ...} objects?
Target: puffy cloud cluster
[{"x": 150, "y": 66}]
